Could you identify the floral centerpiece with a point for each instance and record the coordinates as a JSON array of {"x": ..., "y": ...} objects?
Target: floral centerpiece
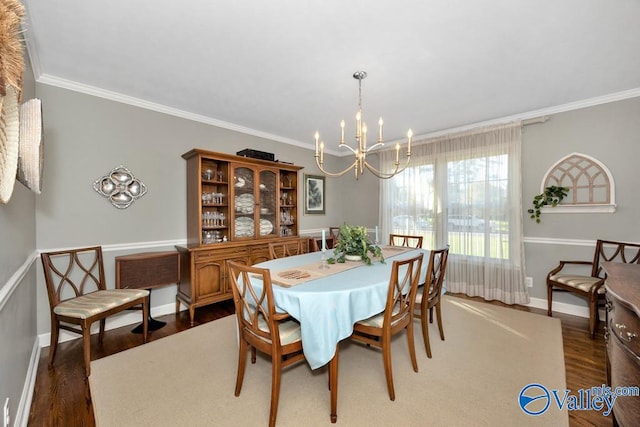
[{"x": 353, "y": 242}]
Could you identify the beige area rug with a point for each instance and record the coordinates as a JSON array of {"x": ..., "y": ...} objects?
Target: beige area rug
[{"x": 474, "y": 378}]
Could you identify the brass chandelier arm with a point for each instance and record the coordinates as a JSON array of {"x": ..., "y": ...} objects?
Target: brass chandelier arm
[
  {"x": 387, "y": 175},
  {"x": 358, "y": 166},
  {"x": 335, "y": 175}
]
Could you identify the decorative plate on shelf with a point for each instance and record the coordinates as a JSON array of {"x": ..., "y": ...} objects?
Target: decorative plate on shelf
[
  {"x": 266, "y": 227},
  {"x": 244, "y": 203},
  {"x": 244, "y": 227}
]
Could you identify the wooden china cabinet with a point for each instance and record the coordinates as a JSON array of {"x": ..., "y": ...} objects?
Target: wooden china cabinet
[{"x": 235, "y": 207}]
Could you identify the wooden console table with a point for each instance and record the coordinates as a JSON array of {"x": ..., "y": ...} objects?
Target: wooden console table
[
  {"x": 623, "y": 337},
  {"x": 148, "y": 270}
]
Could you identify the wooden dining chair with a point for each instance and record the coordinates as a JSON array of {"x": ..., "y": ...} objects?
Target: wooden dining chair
[
  {"x": 397, "y": 316},
  {"x": 284, "y": 249},
  {"x": 316, "y": 243},
  {"x": 335, "y": 232},
  {"x": 78, "y": 296},
  {"x": 590, "y": 285},
  {"x": 261, "y": 328},
  {"x": 429, "y": 295},
  {"x": 405, "y": 240}
]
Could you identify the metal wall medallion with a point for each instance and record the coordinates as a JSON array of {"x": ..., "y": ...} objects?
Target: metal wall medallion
[{"x": 120, "y": 187}]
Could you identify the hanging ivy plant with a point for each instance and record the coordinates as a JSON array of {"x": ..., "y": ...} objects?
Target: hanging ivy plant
[{"x": 551, "y": 197}]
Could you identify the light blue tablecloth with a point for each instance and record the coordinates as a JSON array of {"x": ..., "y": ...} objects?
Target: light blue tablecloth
[{"x": 327, "y": 308}]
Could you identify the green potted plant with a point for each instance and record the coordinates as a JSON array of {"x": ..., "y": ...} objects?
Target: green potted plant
[
  {"x": 354, "y": 244},
  {"x": 551, "y": 196}
]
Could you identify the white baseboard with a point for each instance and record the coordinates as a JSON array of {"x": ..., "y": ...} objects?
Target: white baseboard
[
  {"x": 564, "y": 308},
  {"x": 24, "y": 407},
  {"x": 560, "y": 307}
]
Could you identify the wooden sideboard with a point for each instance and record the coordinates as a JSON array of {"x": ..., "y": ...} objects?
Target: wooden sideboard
[
  {"x": 204, "y": 278},
  {"x": 623, "y": 338}
]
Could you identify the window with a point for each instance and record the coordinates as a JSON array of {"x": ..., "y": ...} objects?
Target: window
[
  {"x": 464, "y": 191},
  {"x": 476, "y": 215},
  {"x": 474, "y": 219}
]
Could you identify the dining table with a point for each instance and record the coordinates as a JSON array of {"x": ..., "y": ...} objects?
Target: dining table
[{"x": 328, "y": 299}]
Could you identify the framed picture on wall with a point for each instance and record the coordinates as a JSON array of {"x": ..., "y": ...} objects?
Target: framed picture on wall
[{"x": 314, "y": 195}]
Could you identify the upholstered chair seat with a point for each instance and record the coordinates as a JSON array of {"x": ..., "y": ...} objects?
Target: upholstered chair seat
[
  {"x": 377, "y": 320},
  {"x": 584, "y": 283},
  {"x": 94, "y": 303},
  {"x": 289, "y": 331}
]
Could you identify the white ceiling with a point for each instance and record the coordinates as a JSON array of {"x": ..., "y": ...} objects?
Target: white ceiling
[{"x": 283, "y": 68}]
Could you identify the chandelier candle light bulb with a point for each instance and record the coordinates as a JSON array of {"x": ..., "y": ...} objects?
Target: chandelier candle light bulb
[{"x": 360, "y": 152}]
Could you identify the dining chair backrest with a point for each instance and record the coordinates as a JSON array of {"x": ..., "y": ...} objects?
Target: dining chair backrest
[
  {"x": 405, "y": 240},
  {"x": 285, "y": 249},
  {"x": 429, "y": 295},
  {"x": 73, "y": 273},
  {"x": 403, "y": 286},
  {"x": 335, "y": 232},
  {"x": 434, "y": 278},
  {"x": 254, "y": 304},
  {"x": 316, "y": 243}
]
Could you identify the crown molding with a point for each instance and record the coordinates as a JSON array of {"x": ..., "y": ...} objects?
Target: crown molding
[
  {"x": 129, "y": 100},
  {"x": 141, "y": 103},
  {"x": 535, "y": 114}
]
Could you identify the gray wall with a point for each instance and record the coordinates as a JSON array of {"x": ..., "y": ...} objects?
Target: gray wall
[
  {"x": 608, "y": 132},
  {"x": 17, "y": 284}
]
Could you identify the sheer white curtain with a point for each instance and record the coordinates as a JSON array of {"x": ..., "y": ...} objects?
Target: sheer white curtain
[{"x": 464, "y": 191}]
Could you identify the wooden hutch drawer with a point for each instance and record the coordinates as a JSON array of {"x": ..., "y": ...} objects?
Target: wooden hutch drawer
[
  {"x": 222, "y": 253},
  {"x": 624, "y": 324}
]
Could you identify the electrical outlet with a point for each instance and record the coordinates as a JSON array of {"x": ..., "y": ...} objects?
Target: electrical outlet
[
  {"x": 7, "y": 418},
  {"x": 529, "y": 282}
]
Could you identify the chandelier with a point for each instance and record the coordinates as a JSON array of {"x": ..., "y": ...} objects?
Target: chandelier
[{"x": 361, "y": 150}]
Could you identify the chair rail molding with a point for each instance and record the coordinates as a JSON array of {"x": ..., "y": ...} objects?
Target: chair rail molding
[
  {"x": 7, "y": 289},
  {"x": 556, "y": 241},
  {"x": 591, "y": 185}
]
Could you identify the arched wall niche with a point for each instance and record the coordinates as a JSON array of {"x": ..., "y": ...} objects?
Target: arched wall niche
[{"x": 591, "y": 185}]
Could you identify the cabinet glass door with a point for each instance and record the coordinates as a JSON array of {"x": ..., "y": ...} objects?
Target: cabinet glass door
[
  {"x": 267, "y": 225},
  {"x": 244, "y": 189},
  {"x": 214, "y": 204},
  {"x": 288, "y": 204}
]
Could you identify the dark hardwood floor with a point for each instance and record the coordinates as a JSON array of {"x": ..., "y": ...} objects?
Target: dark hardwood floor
[{"x": 62, "y": 398}]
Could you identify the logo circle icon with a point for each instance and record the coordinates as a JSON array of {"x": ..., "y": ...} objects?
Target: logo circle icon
[{"x": 534, "y": 399}]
